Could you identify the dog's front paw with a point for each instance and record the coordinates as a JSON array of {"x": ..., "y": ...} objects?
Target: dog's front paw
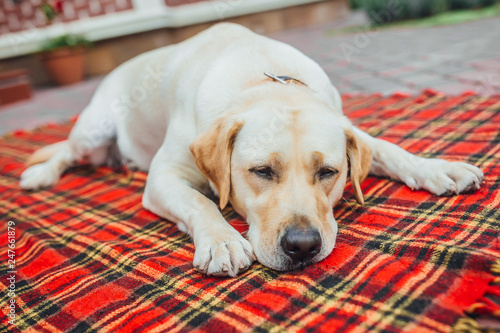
[
  {"x": 445, "y": 178},
  {"x": 223, "y": 253},
  {"x": 39, "y": 176}
]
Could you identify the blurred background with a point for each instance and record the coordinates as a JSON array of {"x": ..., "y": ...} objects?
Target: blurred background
[{"x": 54, "y": 53}]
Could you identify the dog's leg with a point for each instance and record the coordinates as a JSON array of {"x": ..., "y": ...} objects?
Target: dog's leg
[
  {"x": 437, "y": 176},
  {"x": 47, "y": 173},
  {"x": 90, "y": 138},
  {"x": 170, "y": 193}
]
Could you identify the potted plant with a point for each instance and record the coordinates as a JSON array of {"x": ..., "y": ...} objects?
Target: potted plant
[{"x": 63, "y": 56}]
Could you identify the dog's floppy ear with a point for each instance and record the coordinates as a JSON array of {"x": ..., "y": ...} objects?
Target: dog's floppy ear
[
  {"x": 212, "y": 153},
  {"x": 359, "y": 156}
]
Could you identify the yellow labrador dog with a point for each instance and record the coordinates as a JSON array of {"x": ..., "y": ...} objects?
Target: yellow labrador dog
[{"x": 257, "y": 121}]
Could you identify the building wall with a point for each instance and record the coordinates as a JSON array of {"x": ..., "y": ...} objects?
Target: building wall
[{"x": 20, "y": 15}]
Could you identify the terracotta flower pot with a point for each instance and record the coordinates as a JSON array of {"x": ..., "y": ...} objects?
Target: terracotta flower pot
[{"x": 65, "y": 65}]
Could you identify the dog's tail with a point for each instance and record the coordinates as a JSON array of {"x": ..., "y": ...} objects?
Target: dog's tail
[{"x": 45, "y": 153}]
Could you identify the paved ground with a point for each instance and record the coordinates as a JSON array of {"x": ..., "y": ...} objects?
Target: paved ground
[
  {"x": 48, "y": 105},
  {"x": 450, "y": 59}
]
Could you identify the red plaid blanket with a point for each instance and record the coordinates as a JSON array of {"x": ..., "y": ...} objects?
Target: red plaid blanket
[{"x": 85, "y": 256}]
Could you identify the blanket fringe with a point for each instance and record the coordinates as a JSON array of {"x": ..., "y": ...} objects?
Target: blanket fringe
[
  {"x": 469, "y": 325},
  {"x": 485, "y": 306}
]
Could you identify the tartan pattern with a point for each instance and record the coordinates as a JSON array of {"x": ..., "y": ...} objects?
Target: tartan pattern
[{"x": 90, "y": 258}]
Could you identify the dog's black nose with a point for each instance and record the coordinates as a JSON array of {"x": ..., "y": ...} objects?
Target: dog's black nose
[{"x": 301, "y": 244}]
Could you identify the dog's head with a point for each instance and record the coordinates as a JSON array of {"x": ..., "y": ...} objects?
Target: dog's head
[{"x": 283, "y": 164}]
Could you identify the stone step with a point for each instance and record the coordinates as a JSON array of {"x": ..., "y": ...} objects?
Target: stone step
[{"x": 14, "y": 86}]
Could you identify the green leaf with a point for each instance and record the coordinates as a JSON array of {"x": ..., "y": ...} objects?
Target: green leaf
[
  {"x": 48, "y": 11},
  {"x": 68, "y": 40}
]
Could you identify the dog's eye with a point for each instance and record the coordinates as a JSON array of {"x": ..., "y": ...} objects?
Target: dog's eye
[
  {"x": 325, "y": 173},
  {"x": 264, "y": 172}
]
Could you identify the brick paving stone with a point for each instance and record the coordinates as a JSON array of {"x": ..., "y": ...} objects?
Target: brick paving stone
[
  {"x": 356, "y": 76},
  {"x": 397, "y": 71},
  {"x": 473, "y": 76},
  {"x": 458, "y": 88},
  {"x": 381, "y": 67},
  {"x": 417, "y": 76},
  {"x": 487, "y": 64},
  {"x": 433, "y": 82},
  {"x": 345, "y": 71},
  {"x": 487, "y": 89},
  {"x": 490, "y": 82},
  {"x": 344, "y": 88},
  {"x": 446, "y": 69},
  {"x": 424, "y": 80},
  {"x": 376, "y": 84}
]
